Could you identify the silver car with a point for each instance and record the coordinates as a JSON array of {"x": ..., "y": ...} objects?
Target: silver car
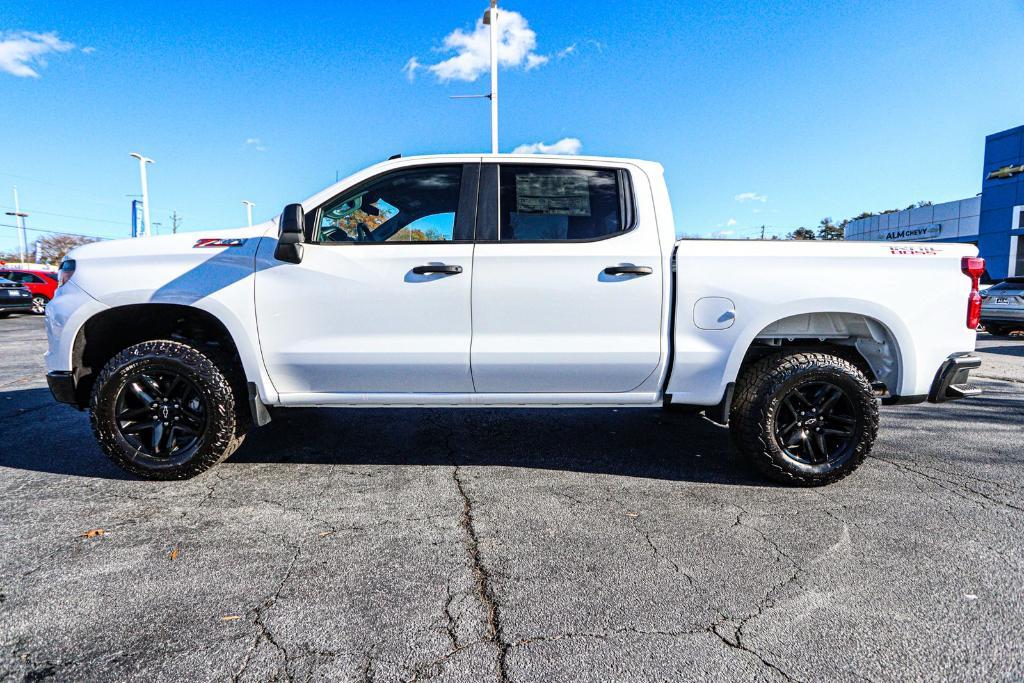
[{"x": 1002, "y": 306}]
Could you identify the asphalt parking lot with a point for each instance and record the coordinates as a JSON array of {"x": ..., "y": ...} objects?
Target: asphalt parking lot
[{"x": 521, "y": 546}]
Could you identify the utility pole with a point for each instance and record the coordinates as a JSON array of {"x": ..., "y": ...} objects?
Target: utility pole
[
  {"x": 248, "y": 210},
  {"x": 175, "y": 222},
  {"x": 21, "y": 216},
  {"x": 490, "y": 19},
  {"x": 145, "y": 188},
  {"x": 762, "y": 232}
]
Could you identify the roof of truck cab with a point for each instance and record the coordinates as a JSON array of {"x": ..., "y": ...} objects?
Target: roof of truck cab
[
  {"x": 396, "y": 162},
  {"x": 526, "y": 157}
]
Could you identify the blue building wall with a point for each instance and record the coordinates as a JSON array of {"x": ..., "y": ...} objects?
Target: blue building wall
[{"x": 999, "y": 196}]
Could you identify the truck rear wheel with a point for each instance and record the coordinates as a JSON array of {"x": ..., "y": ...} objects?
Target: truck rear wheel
[
  {"x": 166, "y": 410},
  {"x": 806, "y": 419}
]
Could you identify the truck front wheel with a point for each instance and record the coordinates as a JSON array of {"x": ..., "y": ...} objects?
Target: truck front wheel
[
  {"x": 804, "y": 418},
  {"x": 166, "y": 410}
]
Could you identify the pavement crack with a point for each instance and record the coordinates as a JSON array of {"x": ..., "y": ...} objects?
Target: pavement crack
[
  {"x": 482, "y": 578},
  {"x": 642, "y": 531},
  {"x": 956, "y": 488},
  {"x": 735, "y": 639}
]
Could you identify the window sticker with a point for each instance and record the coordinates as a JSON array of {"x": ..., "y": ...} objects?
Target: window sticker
[{"x": 560, "y": 195}]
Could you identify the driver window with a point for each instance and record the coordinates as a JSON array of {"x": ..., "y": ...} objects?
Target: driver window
[{"x": 417, "y": 205}]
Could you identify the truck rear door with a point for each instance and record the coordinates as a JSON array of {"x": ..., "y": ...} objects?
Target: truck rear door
[{"x": 567, "y": 283}]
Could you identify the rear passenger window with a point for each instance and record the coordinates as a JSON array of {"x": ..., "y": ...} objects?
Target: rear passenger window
[{"x": 555, "y": 203}]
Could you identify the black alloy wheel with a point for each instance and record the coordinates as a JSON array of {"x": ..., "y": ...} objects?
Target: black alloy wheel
[
  {"x": 164, "y": 409},
  {"x": 806, "y": 418},
  {"x": 817, "y": 424},
  {"x": 161, "y": 414}
]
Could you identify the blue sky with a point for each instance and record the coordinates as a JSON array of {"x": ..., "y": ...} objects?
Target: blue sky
[{"x": 777, "y": 113}]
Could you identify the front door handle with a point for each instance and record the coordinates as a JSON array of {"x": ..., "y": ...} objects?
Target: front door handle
[
  {"x": 437, "y": 269},
  {"x": 628, "y": 270}
]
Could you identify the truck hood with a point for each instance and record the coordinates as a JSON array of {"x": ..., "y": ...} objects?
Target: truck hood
[
  {"x": 182, "y": 243},
  {"x": 179, "y": 269}
]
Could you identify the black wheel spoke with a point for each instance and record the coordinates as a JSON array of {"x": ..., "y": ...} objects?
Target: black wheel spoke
[
  {"x": 158, "y": 437},
  {"x": 821, "y": 447},
  {"x": 139, "y": 427},
  {"x": 130, "y": 415},
  {"x": 803, "y": 399},
  {"x": 185, "y": 429},
  {"x": 833, "y": 395},
  {"x": 176, "y": 386},
  {"x": 796, "y": 438},
  {"x": 154, "y": 388},
  {"x": 140, "y": 393},
  {"x": 841, "y": 433}
]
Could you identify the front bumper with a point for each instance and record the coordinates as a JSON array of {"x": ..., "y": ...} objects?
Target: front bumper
[
  {"x": 951, "y": 381},
  {"x": 62, "y": 386}
]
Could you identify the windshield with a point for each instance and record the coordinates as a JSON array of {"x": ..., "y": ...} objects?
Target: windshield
[{"x": 1015, "y": 285}]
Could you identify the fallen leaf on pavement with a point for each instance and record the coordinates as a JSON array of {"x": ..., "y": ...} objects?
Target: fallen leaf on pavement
[
  {"x": 174, "y": 554},
  {"x": 634, "y": 515},
  {"x": 231, "y": 617},
  {"x": 93, "y": 533}
]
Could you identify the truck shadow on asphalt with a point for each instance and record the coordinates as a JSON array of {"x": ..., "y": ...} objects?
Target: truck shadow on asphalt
[
  {"x": 42, "y": 436},
  {"x": 624, "y": 442}
]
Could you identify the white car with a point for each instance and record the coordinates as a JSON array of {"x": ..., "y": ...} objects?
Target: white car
[{"x": 508, "y": 281}]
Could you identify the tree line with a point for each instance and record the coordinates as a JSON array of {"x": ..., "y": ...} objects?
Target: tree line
[{"x": 828, "y": 230}]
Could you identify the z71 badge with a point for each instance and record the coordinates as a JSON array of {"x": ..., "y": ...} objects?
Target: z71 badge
[{"x": 209, "y": 242}]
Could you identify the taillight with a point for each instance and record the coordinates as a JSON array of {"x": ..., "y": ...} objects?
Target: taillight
[
  {"x": 973, "y": 267},
  {"x": 67, "y": 269}
]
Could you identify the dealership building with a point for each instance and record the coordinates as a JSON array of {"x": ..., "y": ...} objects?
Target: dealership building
[{"x": 993, "y": 221}]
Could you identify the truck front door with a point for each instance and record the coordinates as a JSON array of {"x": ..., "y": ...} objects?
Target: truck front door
[
  {"x": 381, "y": 300},
  {"x": 567, "y": 281}
]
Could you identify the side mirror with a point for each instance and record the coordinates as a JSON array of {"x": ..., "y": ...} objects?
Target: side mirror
[{"x": 291, "y": 235}]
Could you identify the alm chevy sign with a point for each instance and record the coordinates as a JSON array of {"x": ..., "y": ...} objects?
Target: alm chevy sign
[{"x": 929, "y": 231}]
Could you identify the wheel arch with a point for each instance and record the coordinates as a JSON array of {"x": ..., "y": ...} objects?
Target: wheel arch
[
  {"x": 112, "y": 330},
  {"x": 870, "y": 336}
]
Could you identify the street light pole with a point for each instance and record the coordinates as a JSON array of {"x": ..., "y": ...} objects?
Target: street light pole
[
  {"x": 21, "y": 216},
  {"x": 248, "y": 210},
  {"x": 491, "y": 17},
  {"x": 145, "y": 188}
]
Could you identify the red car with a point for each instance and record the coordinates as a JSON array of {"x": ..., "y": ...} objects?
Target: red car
[{"x": 42, "y": 284}]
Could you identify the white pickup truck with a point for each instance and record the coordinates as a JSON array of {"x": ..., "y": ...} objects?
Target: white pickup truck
[{"x": 511, "y": 281}]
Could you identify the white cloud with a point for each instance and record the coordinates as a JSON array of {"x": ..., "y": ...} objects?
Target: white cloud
[
  {"x": 256, "y": 144},
  {"x": 88, "y": 50},
  {"x": 569, "y": 146},
  {"x": 535, "y": 61},
  {"x": 565, "y": 52},
  {"x": 731, "y": 222},
  {"x": 410, "y": 68},
  {"x": 750, "y": 197},
  {"x": 21, "y": 52},
  {"x": 517, "y": 43}
]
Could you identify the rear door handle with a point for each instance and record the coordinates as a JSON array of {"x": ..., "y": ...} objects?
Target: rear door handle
[
  {"x": 628, "y": 270},
  {"x": 437, "y": 269}
]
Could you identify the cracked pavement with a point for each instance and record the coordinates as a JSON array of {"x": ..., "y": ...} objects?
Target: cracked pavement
[{"x": 525, "y": 545}]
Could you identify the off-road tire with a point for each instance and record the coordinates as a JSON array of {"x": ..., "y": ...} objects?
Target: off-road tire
[
  {"x": 212, "y": 373},
  {"x": 755, "y": 407}
]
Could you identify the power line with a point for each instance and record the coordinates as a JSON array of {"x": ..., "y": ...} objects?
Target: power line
[
  {"x": 67, "y": 215},
  {"x": 57, "y": 231}
]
